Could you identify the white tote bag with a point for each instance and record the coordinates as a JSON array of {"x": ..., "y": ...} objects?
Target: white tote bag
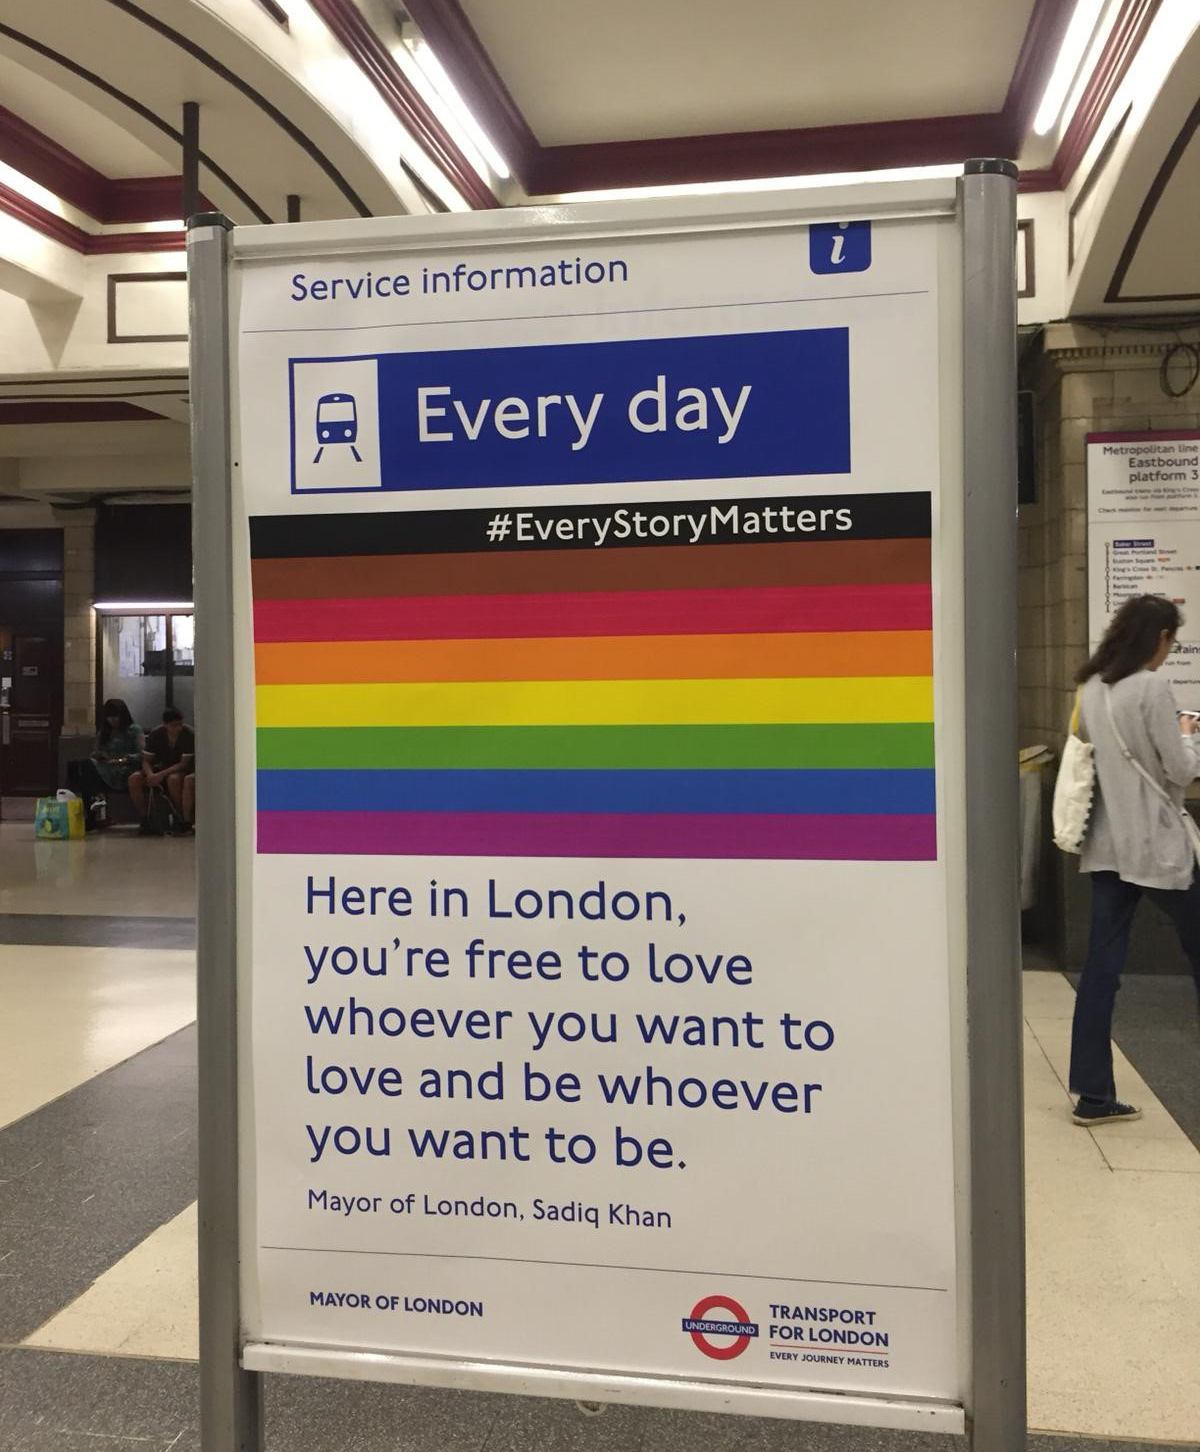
[{"x": 1074, "y": 788}]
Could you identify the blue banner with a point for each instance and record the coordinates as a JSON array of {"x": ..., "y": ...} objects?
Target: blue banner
[{"x": 729, "y": 406}]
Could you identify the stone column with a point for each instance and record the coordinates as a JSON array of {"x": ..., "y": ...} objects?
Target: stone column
[{"x": 79, "y": 622}]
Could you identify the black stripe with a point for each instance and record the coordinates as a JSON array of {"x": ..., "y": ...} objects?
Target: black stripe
[
  {"x": 82, "y": 930},
  {"x": 287, "y": 126},
  {"x": 456, "y": 531},
  {"x": 138, "y": 109}
]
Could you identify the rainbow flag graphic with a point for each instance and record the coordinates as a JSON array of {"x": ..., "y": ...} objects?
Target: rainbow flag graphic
[{"x": 450, "y": 683}]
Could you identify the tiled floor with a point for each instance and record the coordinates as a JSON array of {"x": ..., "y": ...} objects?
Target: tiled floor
[
  {"x": 1113, "y": 1250},
  {"x": 97, "y": 1220},
  {"x": 56, "y": 1403},
  {"x": 114, "y": 872},
  {"x": 70, "y": 1013}
]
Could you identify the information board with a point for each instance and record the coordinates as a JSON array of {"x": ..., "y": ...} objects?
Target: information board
[
  {"x": 600, "y": 778},
  {"x": 1144, "y": 536}
]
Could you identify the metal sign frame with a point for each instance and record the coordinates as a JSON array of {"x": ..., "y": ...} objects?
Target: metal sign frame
[{"x": 987, "y": 991}]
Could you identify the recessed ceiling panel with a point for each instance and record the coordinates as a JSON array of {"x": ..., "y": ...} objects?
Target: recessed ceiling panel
[
  {"x": 628, "y": 69},
  {"x": 80, "y": 128}
]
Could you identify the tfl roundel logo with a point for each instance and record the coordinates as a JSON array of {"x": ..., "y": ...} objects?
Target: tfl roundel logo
[{"x": 701, "y": 1324}]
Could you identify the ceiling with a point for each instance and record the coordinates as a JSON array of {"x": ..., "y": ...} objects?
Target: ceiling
[
  {"x": 98, "y": 140},
  {"x": 1156, "y": 267},
  {"x": 627, "y": 70},
  {"x": 581, "y": 97},
  {"x": 106, "y": 81}
]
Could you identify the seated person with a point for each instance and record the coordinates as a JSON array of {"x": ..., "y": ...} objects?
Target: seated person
[
  {"x": 167, "y": 763},
  {"x": 117, "y": 754}
]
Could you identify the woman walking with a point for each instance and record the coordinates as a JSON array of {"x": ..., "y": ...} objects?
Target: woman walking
[{"x": 1137, "y": 842}]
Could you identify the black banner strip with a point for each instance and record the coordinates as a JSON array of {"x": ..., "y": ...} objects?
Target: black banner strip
[{"x": 508, "y": 528}]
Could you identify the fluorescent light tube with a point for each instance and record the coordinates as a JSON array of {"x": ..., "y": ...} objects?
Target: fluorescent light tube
[
  {"x": 141, "y": 607},
  {"x": 1079, "y": 32},
  {"x": 460, "y": 112}
]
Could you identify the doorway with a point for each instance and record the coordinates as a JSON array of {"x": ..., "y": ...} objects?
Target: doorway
[{"x": 31, "y": 660}]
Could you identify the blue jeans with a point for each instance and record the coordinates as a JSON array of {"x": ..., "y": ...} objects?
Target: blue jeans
[{"x": 1114, "y": 903}]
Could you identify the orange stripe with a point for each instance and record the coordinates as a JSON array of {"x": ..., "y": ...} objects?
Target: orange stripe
[{"x": 598, "y": 658}]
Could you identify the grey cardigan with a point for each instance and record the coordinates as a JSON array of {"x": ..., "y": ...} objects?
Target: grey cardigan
[{"x": 1133, "y": 832}]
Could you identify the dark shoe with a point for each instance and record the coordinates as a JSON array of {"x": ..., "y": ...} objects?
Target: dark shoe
[
  {"x": 1094, "y": 1114},
  {"x": 182, "y": 829},
  {"x": 146, "y": 830}
]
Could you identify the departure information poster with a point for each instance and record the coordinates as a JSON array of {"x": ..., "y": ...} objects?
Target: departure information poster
[{"x": 1144, "y": 536}]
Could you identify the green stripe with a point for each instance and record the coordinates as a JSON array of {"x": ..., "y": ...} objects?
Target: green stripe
[{"x": 632, "y": 747}]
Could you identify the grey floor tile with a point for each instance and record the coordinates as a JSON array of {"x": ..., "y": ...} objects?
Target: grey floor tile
[
  {"x": 46, "y": 1437},
  {"x": 51, "y": 1401},
  {"x": 308, "y": 1414},
  {"x": 87, "y": 1177},
  {"x": 79, "y": 931},
  {"x": 530, "y": 1425},
  {"x": 94, "y": 1398}
]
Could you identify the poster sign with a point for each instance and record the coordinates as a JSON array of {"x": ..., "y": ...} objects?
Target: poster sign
[
  {"x": 599, "y": 732},
  {"x": 1144, "y": 536}
]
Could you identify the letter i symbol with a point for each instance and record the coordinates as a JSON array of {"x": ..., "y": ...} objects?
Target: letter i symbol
[{"x": 839, "y": 246}]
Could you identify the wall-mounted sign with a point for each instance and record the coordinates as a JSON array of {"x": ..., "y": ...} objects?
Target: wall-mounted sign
[{"x": 1144, "y": 536}]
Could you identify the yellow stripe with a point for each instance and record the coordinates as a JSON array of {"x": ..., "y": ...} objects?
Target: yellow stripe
[{"x": 819, "y": 700}]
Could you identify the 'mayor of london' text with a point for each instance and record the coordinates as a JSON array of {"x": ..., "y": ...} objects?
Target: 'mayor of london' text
[{"x": 462, "y": 277}]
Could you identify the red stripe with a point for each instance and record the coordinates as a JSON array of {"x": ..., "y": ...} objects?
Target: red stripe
[{"x": 600, "y": 612}]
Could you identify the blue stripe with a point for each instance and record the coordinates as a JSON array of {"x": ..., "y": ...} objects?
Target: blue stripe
[{"x": 899, "y": 792}]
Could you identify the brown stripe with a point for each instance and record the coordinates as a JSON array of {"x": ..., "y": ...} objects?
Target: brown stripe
[{"x": 673, "y": 567}]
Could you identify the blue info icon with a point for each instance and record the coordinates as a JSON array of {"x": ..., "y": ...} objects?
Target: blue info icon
[{"x": 839, "y": 246}]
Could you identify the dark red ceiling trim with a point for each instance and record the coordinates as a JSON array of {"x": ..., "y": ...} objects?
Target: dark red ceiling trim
[
  {"x": 103, "y": 244},
  {"x": 1124, "y": 40},
  {"x": 736, "y": 156},
  {"x": 107, "y": 200},
  {"x": 406, "y": 103},
  {"x": 1142, "y": 221},
  {"x": 34, "y": 215},
  {"x": 1042, "y": 179},
  {"x": 123, "y": 395},
  {"x": 89, "y": 244},
  {"x": 145, "y": 199},
  {"x": 64, "y": 410},
  {"x": 1039, "y": 50},
  {"x": 457, "y": 45},
  {"x": 35, "y": 155}
]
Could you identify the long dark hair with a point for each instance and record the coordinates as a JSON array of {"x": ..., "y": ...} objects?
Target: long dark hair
[
  {"x": 113, "y": 707},
  {"x": 1133, "y": 636}
]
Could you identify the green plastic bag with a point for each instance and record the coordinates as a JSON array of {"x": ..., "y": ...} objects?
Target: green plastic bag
[{"x": 58, "y": 821}]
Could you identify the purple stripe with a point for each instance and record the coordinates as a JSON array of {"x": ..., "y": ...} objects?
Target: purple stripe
[{"x": 587, "y": 834}]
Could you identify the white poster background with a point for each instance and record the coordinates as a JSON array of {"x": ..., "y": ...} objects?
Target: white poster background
[
  {"x": 1144, "y": 537},
  {"x": 847, "y": 1212}
]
